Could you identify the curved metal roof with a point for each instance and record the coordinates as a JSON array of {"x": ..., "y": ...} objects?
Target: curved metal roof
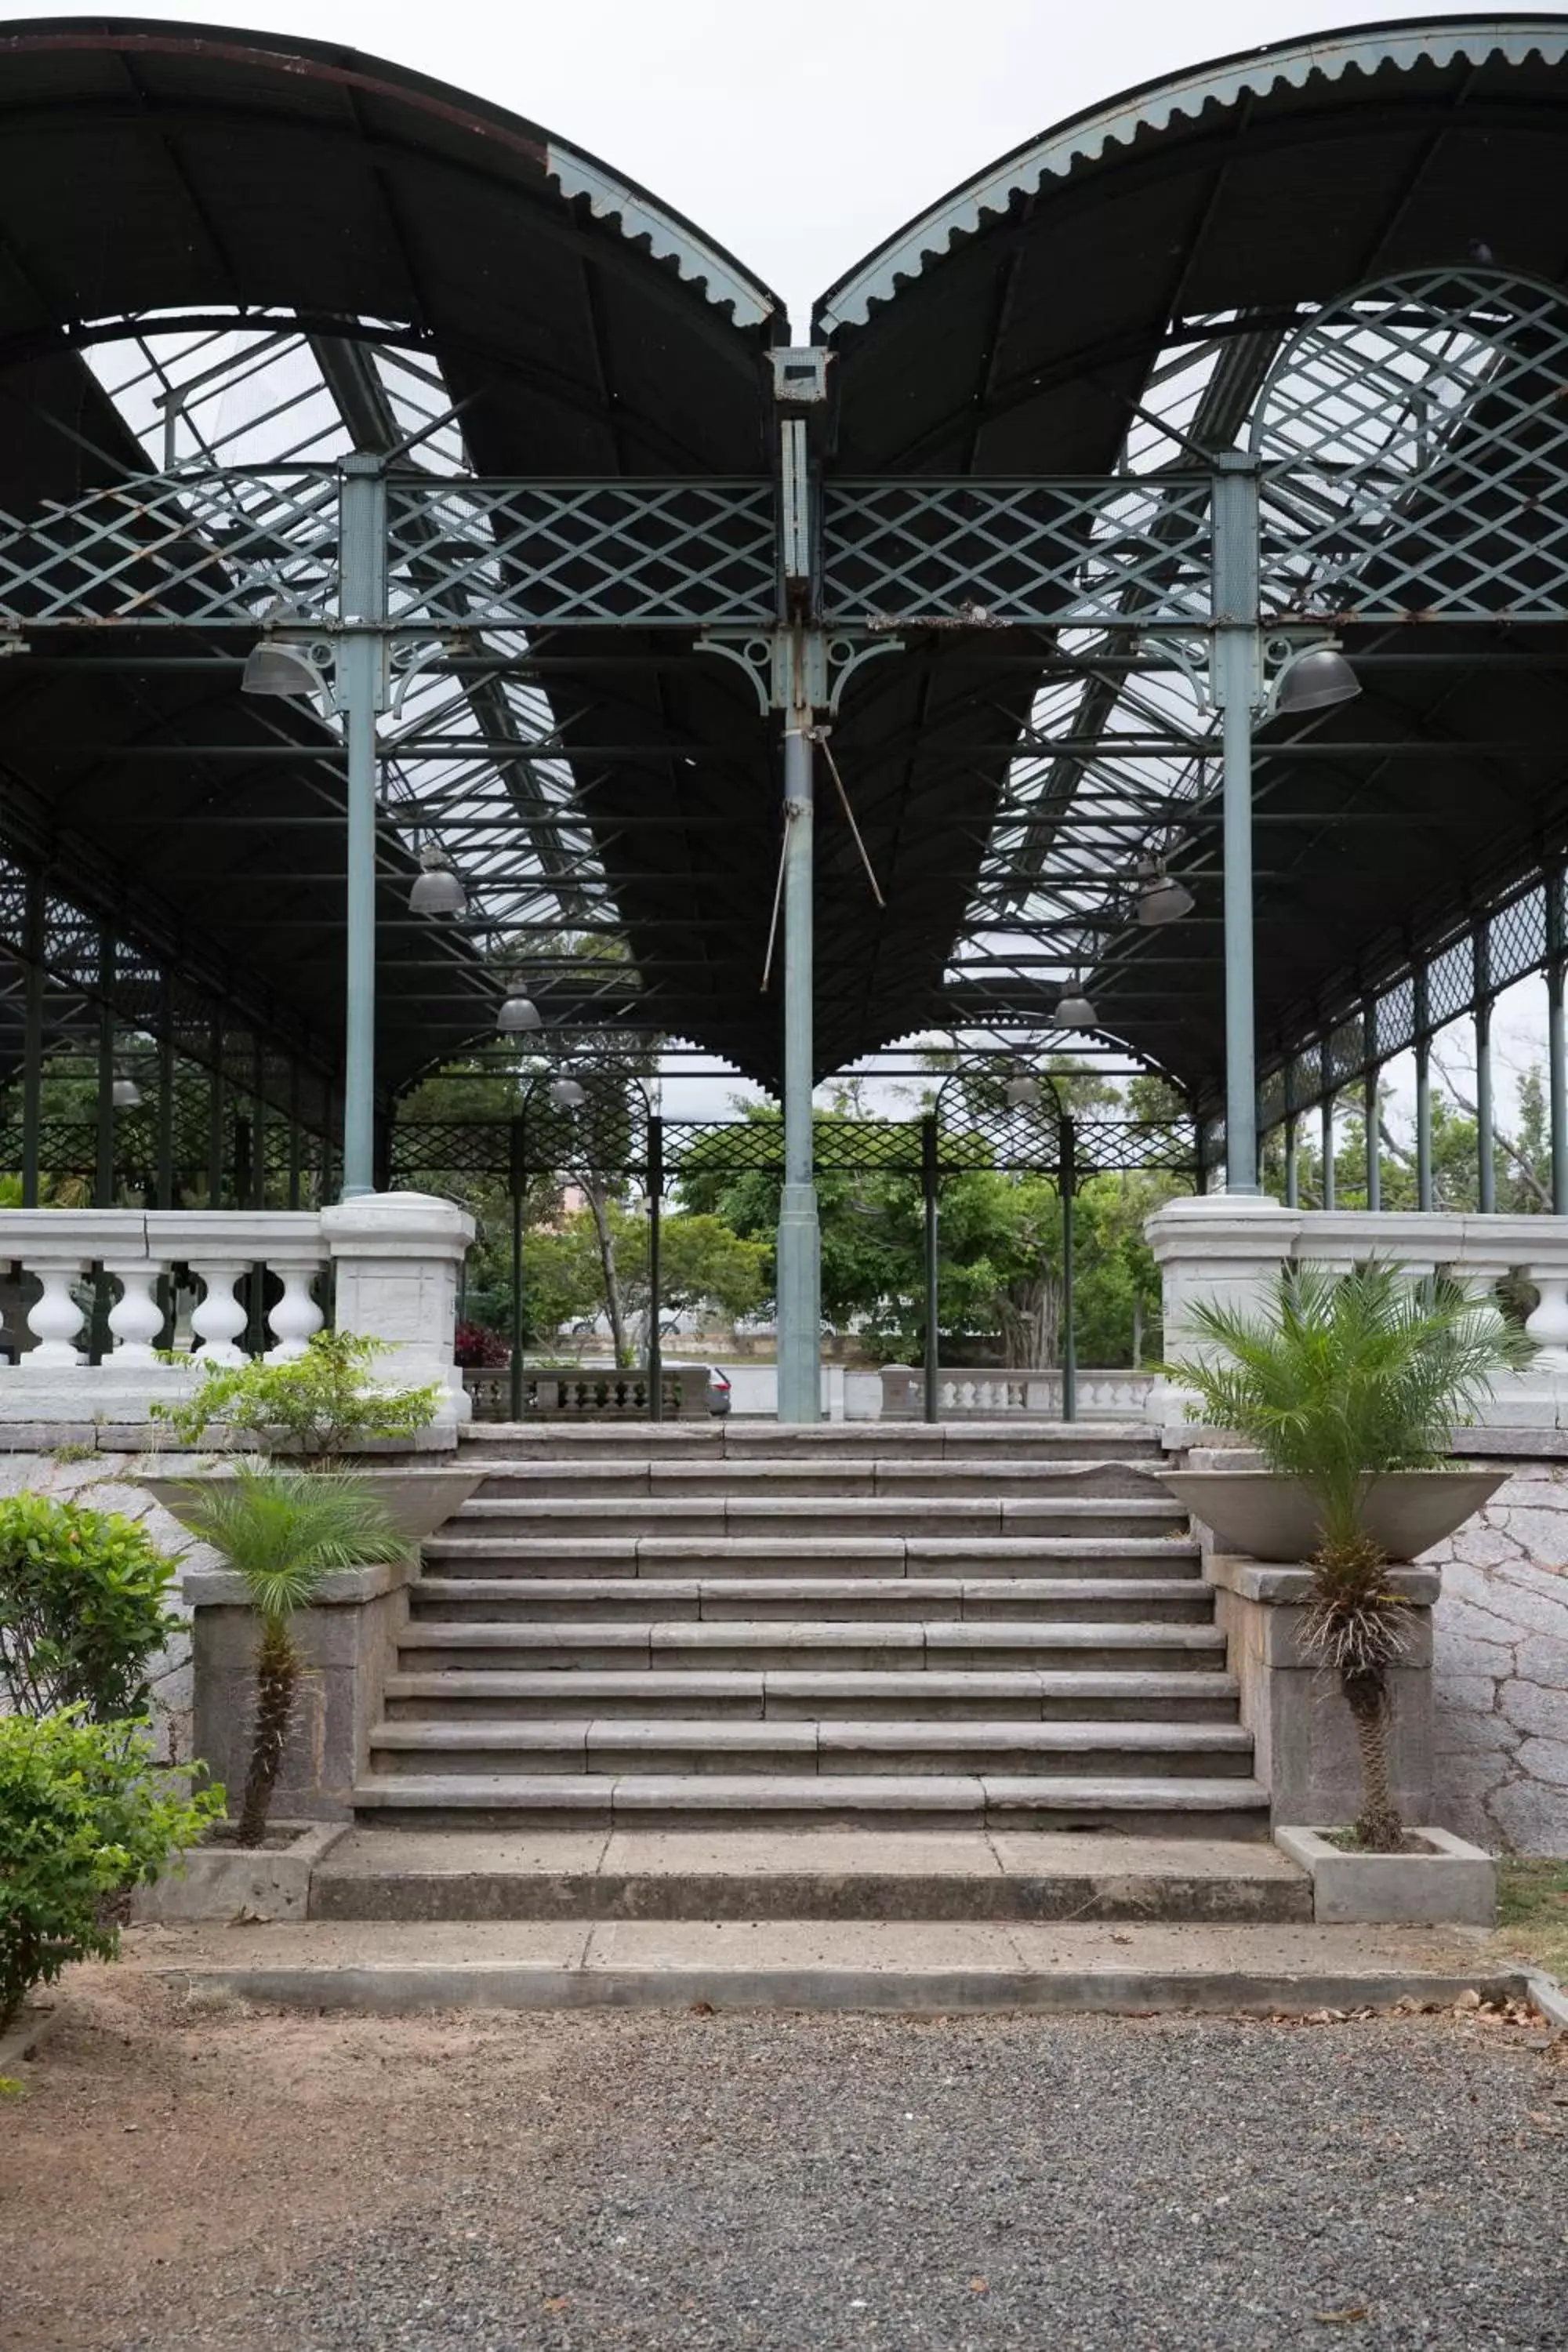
[
  {"x": 157, "y": 178},
  {"x": 1147, "y": 260}
]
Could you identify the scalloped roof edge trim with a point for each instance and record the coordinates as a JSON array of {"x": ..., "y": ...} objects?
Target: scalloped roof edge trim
[{"x": 1084, "y": 138}]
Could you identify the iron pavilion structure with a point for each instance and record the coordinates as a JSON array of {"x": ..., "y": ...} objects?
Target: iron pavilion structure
[{"x": 1184, "y": 499}]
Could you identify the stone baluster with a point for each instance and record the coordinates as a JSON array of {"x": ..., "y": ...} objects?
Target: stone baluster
[
  {"x": 1548, "y": 1323},
  {"x": 219, "y": 1318},
  {"x": 54, "y": 1319},
  {"x": 135, "y": 1318},
  {"x": 296, "y": 1317}
]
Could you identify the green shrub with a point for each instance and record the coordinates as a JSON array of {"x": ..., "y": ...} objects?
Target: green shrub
[
  {"x": 82, "y": 1608},
  {"x": 85, "y": 1813},
  {"x": 320, "y": 1405}
]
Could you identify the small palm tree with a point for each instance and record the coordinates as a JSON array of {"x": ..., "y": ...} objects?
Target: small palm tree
[
  {"x": 283, "y": 1531},
  {"x": 1341, "y": 1379}
]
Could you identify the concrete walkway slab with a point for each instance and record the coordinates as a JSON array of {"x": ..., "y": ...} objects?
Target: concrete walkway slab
[{"x": 936, "y": 1968}]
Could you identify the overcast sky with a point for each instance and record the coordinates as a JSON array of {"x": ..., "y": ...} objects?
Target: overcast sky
[{"x": 799, "y": 135}]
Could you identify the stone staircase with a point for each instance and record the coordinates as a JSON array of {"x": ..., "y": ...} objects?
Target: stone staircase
[{"x": 742, "y": 1626}]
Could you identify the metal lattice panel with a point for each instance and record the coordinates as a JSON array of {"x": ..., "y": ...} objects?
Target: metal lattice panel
[
  {"x": 1394, "y": 1018},
  {"x": 518, "y": 554},
  {"x": 203, "y": 549},
  {"x": 1415, "y": 454},
  {"x": 1451, "y": 982},
  {"x": 1106, "y": 553},
  {"x": 1517, "y": 939}
]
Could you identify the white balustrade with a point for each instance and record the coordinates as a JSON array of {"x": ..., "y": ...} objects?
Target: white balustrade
[
  {"x": 1228, "y": 1250},
  {"x": 395, "y": 1258},
  {"x": 981, "y": 1395}
]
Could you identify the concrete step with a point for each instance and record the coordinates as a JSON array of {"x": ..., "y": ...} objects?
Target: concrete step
[
  {"x": 502, "y": 1442},
  {"x": 567, "y": 1519},
  {"x": 1053, "y": 1963},
  {"x": 849, "y": 1644},
  {"x": 383, "y": 1869},
  {"x": 1200, "y": 1694},
  {"x": 672, "y": 1745},
  {"x": 1223, "y": 1807},
  {"x": 1069, "y": 1482},
  {"x": 616, "y": 1600},
  {"x": 458, "y": 1551}
]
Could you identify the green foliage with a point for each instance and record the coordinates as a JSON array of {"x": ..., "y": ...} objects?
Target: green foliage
[
  {"x": 83, "y": 1611},
  {"x": 284, "y": 1530},
  {"x": 1343, "y": 1376},
  {"x": 1001, "y": 1248},
  {"x": 322, "y": 1404},
  {"x": 84, "y": 1813}
]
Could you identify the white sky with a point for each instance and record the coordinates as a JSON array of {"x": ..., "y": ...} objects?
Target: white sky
[{"x": 801, "y": 136}]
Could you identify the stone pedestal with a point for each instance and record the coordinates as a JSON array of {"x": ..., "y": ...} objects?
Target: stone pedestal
[
  {"x": 395, "y": 1257},
  {"x": 1306, "y": 1754},
  {"x": 348, "y": 1640}
]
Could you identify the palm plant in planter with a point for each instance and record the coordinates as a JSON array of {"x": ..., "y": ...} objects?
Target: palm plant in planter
[
  {"x": 1342, "y": 1378},
  {"x": 283, "y": 1531}
]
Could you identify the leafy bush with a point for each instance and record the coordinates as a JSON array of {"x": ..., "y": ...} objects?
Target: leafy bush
[
  {"x": 82, "y": 1608},
  {"x": 84, "y": 1815},
  {"x": 322, "y": 1404},
  {"x": 282, "y": 1531}
]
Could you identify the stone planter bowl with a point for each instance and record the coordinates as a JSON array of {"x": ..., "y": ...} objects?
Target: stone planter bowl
[
  {"x": 419, "y": 1501},
  {"x": 1268, "y": 1517}
]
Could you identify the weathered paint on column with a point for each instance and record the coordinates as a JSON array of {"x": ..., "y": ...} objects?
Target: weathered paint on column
[
  {"x": 799, "y": 1237},
  {"x": 1236, "y": 685},
  {"x": 359, "y": 682}
]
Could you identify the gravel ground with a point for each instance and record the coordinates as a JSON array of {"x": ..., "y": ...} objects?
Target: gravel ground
[{"x": 588, "y": 2183}]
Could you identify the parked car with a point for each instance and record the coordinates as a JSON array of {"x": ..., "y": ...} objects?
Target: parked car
[{"x": 717, "y": 1383}]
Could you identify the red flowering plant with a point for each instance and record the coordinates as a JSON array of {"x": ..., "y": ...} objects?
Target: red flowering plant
[{"x": 477, "y": 1349}]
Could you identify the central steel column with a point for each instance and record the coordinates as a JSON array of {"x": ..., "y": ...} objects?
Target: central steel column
[
  {"x": 799, "y": 1236},
  {"x": 359, "y": 682},
  {"x": 1556, "y": 1059},
  {"x": 1235, "y": 689}
]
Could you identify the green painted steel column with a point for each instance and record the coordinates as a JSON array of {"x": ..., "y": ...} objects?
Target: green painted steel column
[
  {"x": 1423, "y": 1091},
  {"x": 103, "y": 1180},
  {"x": 1556, "y": 1045},
  {"x": 34, "y": 919},
  {"x": 1235, "y": 689},
  {"x": 1486, "y": 1131},
  {"x": 799, "y": 1236},
  {"x": 215, "y": 1115},
  {"x": 654, "y": 1303},
  {"x": 359, "y": 682},
  {"x": 167, "y": 1072},
  {"x": 933, "y": 1263},
  {"x": 518, "y": 1181},
  {"x": 1066, "y": 1179},
  {"x": 1292, "y": 1163}
]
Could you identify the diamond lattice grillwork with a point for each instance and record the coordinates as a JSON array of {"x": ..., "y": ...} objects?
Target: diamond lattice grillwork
[
  {"x": 1054, "y": 553},
  {"x": 201, "y": 550},
  {"x": 519, "y": 554},
  {"x": 1415, "y": 443}
]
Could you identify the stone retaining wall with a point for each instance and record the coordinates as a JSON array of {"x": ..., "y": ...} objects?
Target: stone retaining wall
[{"x": 1500, "y": 1667}]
